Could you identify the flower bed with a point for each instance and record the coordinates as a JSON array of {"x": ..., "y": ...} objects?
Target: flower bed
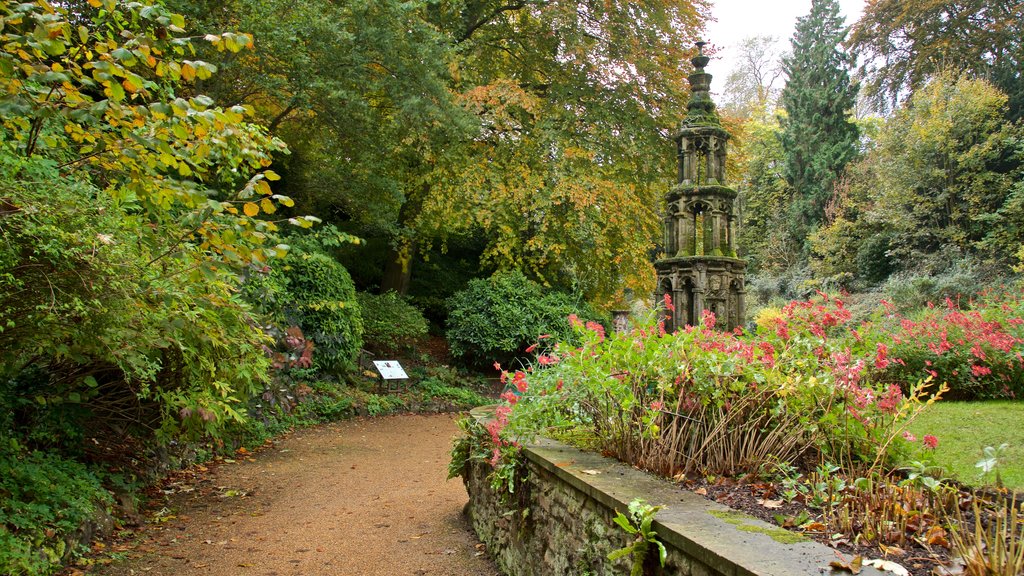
[{"x": 810, "y": 399}]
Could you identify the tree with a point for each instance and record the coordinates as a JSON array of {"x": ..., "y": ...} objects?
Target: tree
[
  {"x": 129, "y": 205},
  {"x": 764, "y": 194},
  {"x": 419, "y": 121},
  {"x": 751, "y": 89},
  {"x": 950, "y": 174},
  {"x": 903, "y": 43},
  {"x": 818, "y": 136},
  {"x": 574, "y": 100}
]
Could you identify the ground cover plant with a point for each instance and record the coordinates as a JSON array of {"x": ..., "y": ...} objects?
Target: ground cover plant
[{"x": 811, "y": 408}]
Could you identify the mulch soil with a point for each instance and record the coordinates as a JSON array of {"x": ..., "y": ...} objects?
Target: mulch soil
[{"x": 763, "y": 500}]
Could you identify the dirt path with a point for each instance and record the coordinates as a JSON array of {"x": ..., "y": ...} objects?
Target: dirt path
[{"x": 362, "y": 498}]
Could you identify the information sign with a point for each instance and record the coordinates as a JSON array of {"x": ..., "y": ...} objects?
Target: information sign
[{"x": 390, "y": 369}]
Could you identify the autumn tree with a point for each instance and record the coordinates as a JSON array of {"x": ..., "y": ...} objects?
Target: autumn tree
[
  {"x": 128, "y": 205},
  {"x": 818, "y": 136},
  {"x": 903, "y": 43},
  {"x": 574, "y": 102}
]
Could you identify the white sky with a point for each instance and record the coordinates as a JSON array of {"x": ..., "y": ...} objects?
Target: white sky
[{"x": 739, "y": 19}]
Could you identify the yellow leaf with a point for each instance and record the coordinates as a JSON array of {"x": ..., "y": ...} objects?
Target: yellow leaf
[
  {"x": 268, "y": 206},
  {"x": 250, "y": 209},
  {"x": 95, "y": 3}
]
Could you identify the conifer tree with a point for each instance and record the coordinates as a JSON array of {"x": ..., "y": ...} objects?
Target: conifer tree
[{"x": 818, "y": 136}]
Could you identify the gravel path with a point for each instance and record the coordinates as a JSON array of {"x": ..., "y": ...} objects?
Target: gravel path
[{"x": 362, "y": 498}]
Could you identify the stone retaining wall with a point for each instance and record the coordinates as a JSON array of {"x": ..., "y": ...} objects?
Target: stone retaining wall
[{"x": 559, "y": 523}]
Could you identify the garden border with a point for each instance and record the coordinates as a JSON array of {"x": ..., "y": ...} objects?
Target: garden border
[{"x": 558, "y": 521}]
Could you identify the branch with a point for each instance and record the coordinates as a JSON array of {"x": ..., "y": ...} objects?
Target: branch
[{"x": 494, "y": 14}]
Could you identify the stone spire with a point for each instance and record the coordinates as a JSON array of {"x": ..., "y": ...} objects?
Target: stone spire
[
  {"x": 699, "y": 268},
  {"x": 700, "y": 109}
]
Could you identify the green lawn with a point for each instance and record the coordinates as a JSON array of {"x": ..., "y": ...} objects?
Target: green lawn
[{"x": 964, "y": 429}]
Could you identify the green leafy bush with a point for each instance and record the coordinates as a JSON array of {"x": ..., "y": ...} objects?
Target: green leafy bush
[
  {"x": 390, "y": 322},
  {"x": 43, "y": 501},
  {"x": 321, "y": 299},
  {"x": 496, "y": 319}
]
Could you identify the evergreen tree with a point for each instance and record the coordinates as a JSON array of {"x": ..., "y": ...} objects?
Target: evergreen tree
[{"x": 818, "y": 136}]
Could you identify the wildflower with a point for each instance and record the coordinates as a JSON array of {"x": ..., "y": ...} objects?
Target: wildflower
[
  {"x": 657, "y": 404},
  {"x": 544, "y": 336},
  {"x": 497, "y": 367},
  {"x": 545, "y": 360},
  {"x": 881, "y": 357},
  {"x": 531, "y": 348},
  {"x": 510, "y": 397},
  {"x": 708, "y": 319},
  {"x": 781, "y": 331},
  {"x": 930, "y": 441},
  {"x": 519, "y": 379},
  {"x": 574, "y": 320},
  {"x": 980, "y": 370},
  {"x": 668, "y": 304},
  {"x": 599, "y": 329},
  {"x": 909, "y": 437},
  {"x": 891, "y": 399}
]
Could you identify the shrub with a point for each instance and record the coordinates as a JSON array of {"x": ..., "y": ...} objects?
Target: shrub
[
  {"x": 44, "y": 500},
  {"x": 389, "y": 321},
  {"x": 803, "y": 388},
  {"x": 977, "y": 352},
  {"x": 495, "y": 319},
  {"x": 321, "y": 299}
]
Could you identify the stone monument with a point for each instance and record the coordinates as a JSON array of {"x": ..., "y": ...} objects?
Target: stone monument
[{"x": 700, "y": 269}]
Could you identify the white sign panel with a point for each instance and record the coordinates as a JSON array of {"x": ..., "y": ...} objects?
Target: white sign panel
[{"x": 390, "y": 369}]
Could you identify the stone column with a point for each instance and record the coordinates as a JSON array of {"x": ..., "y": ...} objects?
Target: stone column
[
  {"x": 709, "y": 233},
  {"x": 669, "y": 232},
  {"x": 712, "y": 161},
  {"x": 684, "y": 234}
]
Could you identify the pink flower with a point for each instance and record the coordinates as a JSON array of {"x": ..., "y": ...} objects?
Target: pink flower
[
  {"x": 882, "y": 357},
  {"x": 657, "y": 404},
  {"x": 930, "y": 441},
  {"x": 909, "y": 437},
  {"x": 668, "y": 304},
  {"x": 545, "y": 360},
  {"x": 497, "y": 367},
  {"x": 980, "y": 370},
  {"x": 574, "y": 320},
  {"x": 531, "y": 348}
]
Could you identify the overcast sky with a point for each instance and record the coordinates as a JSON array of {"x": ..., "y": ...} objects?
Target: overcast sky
[{"x": 738, "y": 19}]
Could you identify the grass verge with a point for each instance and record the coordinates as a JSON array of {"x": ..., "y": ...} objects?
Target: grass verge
[{"x": 964, "y": 429}]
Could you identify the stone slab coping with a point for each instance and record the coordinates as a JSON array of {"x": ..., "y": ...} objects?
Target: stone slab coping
[{"x": 732, "y": 542}]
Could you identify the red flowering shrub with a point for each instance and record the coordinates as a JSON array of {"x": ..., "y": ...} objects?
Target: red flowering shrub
[
  {"x": 706, "y": 401},
  {"x": 977, "y": 351}
]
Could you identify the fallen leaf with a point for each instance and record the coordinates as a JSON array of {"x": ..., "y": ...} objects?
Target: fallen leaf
[
  {"x": 814, "y": 527},
  {"x": 891, "y": 550},
  {"x": 887, "y": 566},
  {"x": 701, "y": 491},
  {"x": 592, "y": 472},
  {"x": 936, "y": 536},
  {"x": 853, "y": 566},
  {"x": 771, "y": 504}
]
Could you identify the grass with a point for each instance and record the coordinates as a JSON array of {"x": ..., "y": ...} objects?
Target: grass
[{"x": 964, "y": 429}]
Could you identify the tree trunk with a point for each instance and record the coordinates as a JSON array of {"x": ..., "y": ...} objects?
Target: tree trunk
[{"x": 397, "y": 271}]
